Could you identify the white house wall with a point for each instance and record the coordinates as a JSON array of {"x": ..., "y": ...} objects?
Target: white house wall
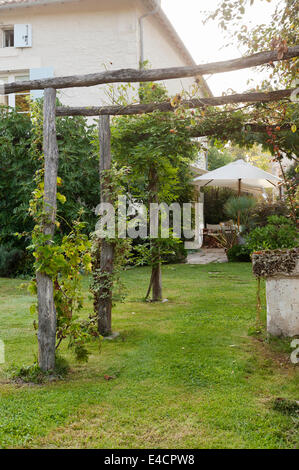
[
  {"x": 160, "y": 51},
  {"x": 85, "y": 37},
  {"x": 74, "y": 39}
]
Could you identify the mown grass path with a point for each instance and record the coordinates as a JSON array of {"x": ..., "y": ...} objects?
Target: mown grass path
[{"x": 186, "y": 373}]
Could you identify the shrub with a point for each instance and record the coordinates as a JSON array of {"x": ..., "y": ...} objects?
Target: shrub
[
  {"x": 227, "y": 239},
  {"x": 239, "y": 205},
  {"x": 260, "y": 213},
  {"x": 33, "y": 373},
  {"x": 78, "y": 168},
  {"x": 10, "y": 260},
  {"x": 172, "y": 251},
  {"x": 239, "y": 253},
  {"x": 279, "y": 232},
  {"x": 215, "y": 198}
]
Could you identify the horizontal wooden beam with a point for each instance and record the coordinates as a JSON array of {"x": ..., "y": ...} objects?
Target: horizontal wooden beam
[
  {"x": 166, "y": 106},
  {"x": 134, "y": 75}
]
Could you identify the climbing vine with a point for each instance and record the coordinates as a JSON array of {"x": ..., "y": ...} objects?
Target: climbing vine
[
  {"x": 64, "y": 260},
  {"x": 103, "y": 283}
]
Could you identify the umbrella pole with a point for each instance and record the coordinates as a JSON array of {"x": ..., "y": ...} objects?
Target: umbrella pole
[{"x": 239, "y": 194}]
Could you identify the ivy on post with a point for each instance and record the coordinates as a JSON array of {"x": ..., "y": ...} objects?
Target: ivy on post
[
  {"x": 107, "y": 247},
  {"x": 45, "y": 289}
]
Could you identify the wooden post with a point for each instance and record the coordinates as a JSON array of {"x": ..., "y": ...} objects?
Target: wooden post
[
  {"x": 134, "y": 76},
  {"x": 45, "y": 290},
  {"x": 107, "y": 248}
]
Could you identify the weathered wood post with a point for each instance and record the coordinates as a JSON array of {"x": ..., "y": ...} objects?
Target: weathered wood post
[
  {"x": 45, "y": 292},
  {"x": 107, "y": 248}
]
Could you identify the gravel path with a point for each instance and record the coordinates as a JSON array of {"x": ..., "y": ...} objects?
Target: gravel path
[{"x": 207, "y": 255}]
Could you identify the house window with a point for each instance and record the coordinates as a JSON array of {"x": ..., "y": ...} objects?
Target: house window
[
  {"x": 20, "y": 101},
  {"x": 18, "y": 35},
  {"x": 8, "y": 37}
]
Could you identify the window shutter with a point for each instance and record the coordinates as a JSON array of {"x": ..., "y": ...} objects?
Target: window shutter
[
  {"x": 23, "y": 35},
  {"x": 35, "y": 74}
]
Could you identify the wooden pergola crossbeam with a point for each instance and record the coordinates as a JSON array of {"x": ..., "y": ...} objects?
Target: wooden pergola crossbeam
[
  {"x": 134, "y": 75},
  {"x": 166, "y": 106}
]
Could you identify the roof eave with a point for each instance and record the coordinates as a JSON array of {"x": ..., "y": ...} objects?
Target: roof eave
[
  {"x": 151, "y": 5},
  {"x": 31, "y": 3}
]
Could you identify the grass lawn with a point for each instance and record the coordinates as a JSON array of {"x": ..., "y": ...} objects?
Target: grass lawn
[{"x": 186, "y": 373}]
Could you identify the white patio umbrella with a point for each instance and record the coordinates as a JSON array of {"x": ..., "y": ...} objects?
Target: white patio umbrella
[{"x": 240, "y": 176}]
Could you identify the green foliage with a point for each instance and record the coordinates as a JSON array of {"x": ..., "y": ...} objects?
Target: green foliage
[
  {"x": 250, "y": 126},
  {"x": 278, "y": 34},
  {"x": 259, "y": 214},
  {"x": 239, "y": 205},
  {"x": 20, "y": 150},
  {"x": 105, "y": 285},
  {"x": 272, "y": 125},
  {"x": 10, "y": 260},
  {"x": 16, "y": 184},
  {"x": 78, "y": 167},
  {"x": 158, "y": 140},
  {"x": 217, "y": 158},
  {"x": 64, "y": 263},
  {"x": 279, "y": 232},
  {"x": 63, "y": 260},
  {"x": 33, "y": 373},
  {"x": 215, "y": 199},
  {"x": 172, "y": 250},
  {"x": 239, "y": 253},
  {"x": 161, "y": 142}
]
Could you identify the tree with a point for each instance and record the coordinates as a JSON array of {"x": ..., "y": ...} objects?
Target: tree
[
  {"x": 218, "y": 158},
  {"x": 158, "y": 150},
  {"x": 274, "y": 125},
  {"x": 279, "y": 34}
]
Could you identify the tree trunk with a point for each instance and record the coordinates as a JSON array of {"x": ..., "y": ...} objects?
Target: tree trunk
[
  {"x": 45, "y": 291},
  {"x": 105, "y": 294},
  {"x": 156, "y": 277},
  {"x": 107, "y": 248},
  {"x": 157, "y": 282}
]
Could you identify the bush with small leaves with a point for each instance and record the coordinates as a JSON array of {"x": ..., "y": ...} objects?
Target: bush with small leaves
[{"x": 279, "y": 232}]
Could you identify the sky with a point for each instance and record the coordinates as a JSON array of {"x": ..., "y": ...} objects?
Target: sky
[{"x": 205, "y": 42}]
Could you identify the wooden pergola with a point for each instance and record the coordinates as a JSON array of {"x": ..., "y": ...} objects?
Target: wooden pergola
[{"x": 45, "y": 290}]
